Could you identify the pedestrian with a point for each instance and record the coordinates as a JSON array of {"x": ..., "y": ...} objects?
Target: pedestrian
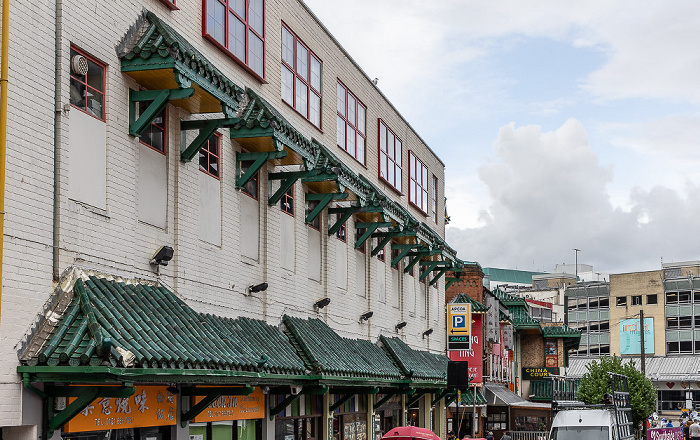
[
  {"x": 669, "y": 424},
  {"x": 686, "y": 430},
  {"x": 451, "y": 435},
  {"x": 694, "y": 431},
  {"x": 489, "y": 435},
  {"x": 505, "y": 436}
]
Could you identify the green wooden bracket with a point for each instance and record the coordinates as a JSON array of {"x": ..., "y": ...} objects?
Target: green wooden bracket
[
  {"x": 345, "y": 214},
  {"x": 430, "y": 266},
  {"x": 370, "y": 228},
  {"x": 450, "y": 399},
  {"x": 384, "y": 400},
  {"x": 405, "y": 249},
  {"x": 288, "y": 179},
  {"x": 159, "y": 98},
  {"x": 440, "y": 396},
  {"x": 84, "y": 396},
  {"x": 323, "y": 201},
  {"x": 415, "y": 258},
  {"x": 259, "y": 160},
  {"x": 209, "y": 394},
  {"x": 415, "y": 398},
  {"x": 206, "y": 128},
  {"x": 339, "y": 402},
  {"x": 438, "y": 275},
  {"x": 320, "y": 177},
  {"x": 283, "y": 404}
]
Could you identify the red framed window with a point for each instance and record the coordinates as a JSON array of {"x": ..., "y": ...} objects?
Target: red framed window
[
  {"x": 238, "y": 27},
  {"x": 170, "y": 4},
  {"x": 310, "y": 206},
  {"x": 418, "y": 183},
  {"x": 154, "y": 135},
  {"x": 341, "y": 233},
  {"x": 301, "y": 77},
  {"x": 209, "y": 156},
  {"x": 435, "y": 199},
  {"x": 359, "y": 233},
  {"x": 351, "y": 124},
  {"x": 251, "y": 188},
  {"x": 87, "y": 84},
  {"x": 287, "y": 201},
  {"x": 390, "y": 157}
]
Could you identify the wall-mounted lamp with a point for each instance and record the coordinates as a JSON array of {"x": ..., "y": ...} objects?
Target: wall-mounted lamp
[
  {"x": 427, "y": 332},
  {"x": 162, "y": 256},
  {"x": 365, "y": 316},
  {"x": 321, "y": 303},
  {"x": 257, "y": 288},
  {"x": 400, "y": 325}
]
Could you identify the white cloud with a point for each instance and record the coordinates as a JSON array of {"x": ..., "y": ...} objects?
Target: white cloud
[{"x": 549, "y": 195}]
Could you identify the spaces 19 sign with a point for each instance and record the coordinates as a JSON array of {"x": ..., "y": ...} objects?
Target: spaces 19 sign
[{"x": 459, "y": 324}]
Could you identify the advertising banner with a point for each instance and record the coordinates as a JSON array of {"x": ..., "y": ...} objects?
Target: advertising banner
[
  {"x": 492, "y": 319},
  {"x": 507, "y": 331},
  {"x": 530, "y": 373},
  {"x": 665, "y": 434},
  {"x": 148, "y": 406},
  {"x": 474, "y": 355},
  {"x": 631, "y": 339},
  {"x": 233, "y": 408}
]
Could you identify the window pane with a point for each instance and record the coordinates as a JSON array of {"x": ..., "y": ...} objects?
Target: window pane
[
  {"x": 255, "y": 53},
  {"x": 390, "y": 144},
  {"x": 382, "y": 138},
  {"x": 302, "y": 61},
  {"x": 399, "y": 183},
  {"x": 340, "y": 132},
  {"x": 361, "y": 119},
  {"x": 382, "y": 165},
  {"x": 287, "y": 47},
  {"x": 340, "y": 94},
  {"x": 236, "y": 36},
  {"x": 315, "y": 74},
  {"x": 239, "y": 7},
  {"x": 216, "y": 20},
  {"x": 301, "y": 94},
  {"x": 287, "y": 85},
  {"x": 351, "y": 140},
  {"x": 95, "y": 75},
  {"x": 360, "y": 155},
  {"x": 390, "y": 176},
  {"x": 256, "y": 16},
  {"x": 94, "y": 102},
  {"x": 352, "y": 104},
  {"x": 315, "y": 110}
]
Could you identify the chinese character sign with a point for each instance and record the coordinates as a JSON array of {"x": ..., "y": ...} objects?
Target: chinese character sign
[
  {"x": 472, "y": 356},
  {"x": 507, "y": 333},
  {"x": 148, "y": 406},
  {"x": 631, "y": 338},
  {"x": 492, "y": 319},
  {"x": 233, "y": 408}
]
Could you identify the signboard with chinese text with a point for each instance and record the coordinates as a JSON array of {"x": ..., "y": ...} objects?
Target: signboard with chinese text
[
  {"x": 530, "y": 373},
  {"x": 148, "y": 406},
  {"x": 507, "y": 334},
  {"x": 631, "y": 338},
  {"x": 233, "y": 408},
  {"x": 459, "y": 318},
  {"x": 472, "y": 356},
  {"x": 492, "y": 319}
]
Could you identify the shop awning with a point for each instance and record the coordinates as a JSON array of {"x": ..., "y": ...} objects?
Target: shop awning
[
  {"x": 101, "y": 328},
  {"x": 497, "y": 394}
]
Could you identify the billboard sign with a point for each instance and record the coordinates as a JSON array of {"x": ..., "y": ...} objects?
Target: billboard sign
[{"x": 631, "y": 339}]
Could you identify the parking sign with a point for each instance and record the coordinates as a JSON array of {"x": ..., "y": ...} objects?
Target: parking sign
[{"x": 459, "y": 318}]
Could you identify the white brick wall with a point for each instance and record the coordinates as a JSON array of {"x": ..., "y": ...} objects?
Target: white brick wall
[{"x": 211, "y": 278}]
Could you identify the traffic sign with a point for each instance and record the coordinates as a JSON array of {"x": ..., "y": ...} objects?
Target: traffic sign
[{"x": 459, "y": 324}]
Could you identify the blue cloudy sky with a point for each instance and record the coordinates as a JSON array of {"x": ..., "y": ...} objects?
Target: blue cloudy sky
[{"x": 563, "y": 124}]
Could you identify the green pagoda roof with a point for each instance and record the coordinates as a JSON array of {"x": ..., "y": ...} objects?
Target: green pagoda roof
[
  {"x": 463, "y": 298},
  {"x": 414, "y": 363}
]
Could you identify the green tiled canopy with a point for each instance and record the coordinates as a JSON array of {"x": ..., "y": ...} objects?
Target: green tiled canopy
[
  {"x": 477, "y": 307},
  {"x": 468, "y": 397},
  {"x": 418, "y": 365}
]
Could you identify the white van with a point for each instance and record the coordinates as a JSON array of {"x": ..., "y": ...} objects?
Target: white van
[{"x": 583, "y": 424}]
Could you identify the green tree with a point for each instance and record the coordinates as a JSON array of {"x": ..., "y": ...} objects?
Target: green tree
[{"x": 596, "y": 383}]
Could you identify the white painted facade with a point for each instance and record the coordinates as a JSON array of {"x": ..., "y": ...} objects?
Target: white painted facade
[{"x": 119, "y": 201}]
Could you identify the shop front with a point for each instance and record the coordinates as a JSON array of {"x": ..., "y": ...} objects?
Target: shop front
[
  {"x": 350, "y": 419},
  {"x": 229, "y": 417},
  {"x": 301, "y": 420}
]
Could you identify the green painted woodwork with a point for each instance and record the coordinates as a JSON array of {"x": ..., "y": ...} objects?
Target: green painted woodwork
[
  {"x": 405, "y": 249},
  {"x": 463, "y": 298},
  {"x": 206, "y": 129},
  {"x": 415, "y": 398},
  {"x": 442, "y": 394},
  {"x": 283, "y": 404},
  {"x": 370, "y": 228},
  {"x": 159, "y": 100},
  {"x": 193, "y": 412},
  {"x": 438, "y": 275},
  {"x": 259, "y": 160},
  {"x": 288, "y": 180},
  {"x": 449, "y": 281},
  {"x": 418, "y": 365},
  {"x": 323, "y": 201},
  {"x": 430, "y": 266},
  {"x": 84, "y": 396},
  {"x": 339, "y": 402},
  {"x": 209, "y": 394},
  {"x": 345, "y": 214}
]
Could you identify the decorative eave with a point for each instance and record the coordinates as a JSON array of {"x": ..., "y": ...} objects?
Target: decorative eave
[{"x": 463, "y": 298}]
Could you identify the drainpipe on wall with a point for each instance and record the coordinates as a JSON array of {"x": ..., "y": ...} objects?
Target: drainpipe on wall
[
  {"x": 57, "y": 121},
  {"x": 4, "y": 74}
]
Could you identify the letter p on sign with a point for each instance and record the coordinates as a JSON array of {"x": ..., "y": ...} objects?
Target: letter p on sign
[{"x": 458, "y": 321}]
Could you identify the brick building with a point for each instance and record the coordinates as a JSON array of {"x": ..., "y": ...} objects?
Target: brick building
[{"x": 195, "y": 220}]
